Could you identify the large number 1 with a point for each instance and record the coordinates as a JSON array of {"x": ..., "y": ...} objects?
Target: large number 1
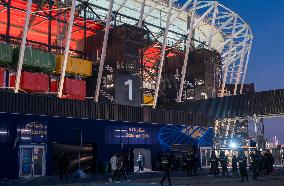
[{"x": 129, "y": 83}]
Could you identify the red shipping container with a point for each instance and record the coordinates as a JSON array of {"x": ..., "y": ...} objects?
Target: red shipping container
[
  {"x": 2, "y": 79},
  {"x": 74, "y": 89},
  {"x": 34, "y": 82},
  {"x": 53, "y": 85},
  {"x": 12, "y": 79}
]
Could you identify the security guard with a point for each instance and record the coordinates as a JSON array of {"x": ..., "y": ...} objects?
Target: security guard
[
  {"x": 166, "y": 165},
  {"x": 214, "y": 161},
  {"x": 254, "y": 159},
  {"x": 242, "y": 159},
  {"x": 224, "y": 164}
]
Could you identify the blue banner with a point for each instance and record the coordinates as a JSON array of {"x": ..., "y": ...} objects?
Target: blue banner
[{"x": 185, "y": 135}]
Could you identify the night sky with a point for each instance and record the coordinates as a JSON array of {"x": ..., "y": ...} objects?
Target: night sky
[
  {"x": 266, "y": 19},
  {"x": 266, "y": 66}
]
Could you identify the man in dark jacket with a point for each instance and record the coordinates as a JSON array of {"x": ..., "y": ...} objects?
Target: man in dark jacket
[
  {"x": 254, "y": 160},
  {"x": 242, "y": 159},
  {"x": 269, "y": 161},
  {"x": 166, "y": 165},
  {"x": 63, "y": 163},
  {"x": 261, "y": 165},
  {"x": 214, "y": 161},
  {"x": 224, "y": 163},
  {"x": 234, "y": 165},
  {"x": 190, "y": 164}
]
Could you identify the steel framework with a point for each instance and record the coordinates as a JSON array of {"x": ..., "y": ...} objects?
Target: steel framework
[
  {"x": 195, "y": 21},
  {"x": 172, "y": 24}
]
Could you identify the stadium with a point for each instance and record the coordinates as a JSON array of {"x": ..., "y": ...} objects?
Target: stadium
[{"x": 102, "y": 76}]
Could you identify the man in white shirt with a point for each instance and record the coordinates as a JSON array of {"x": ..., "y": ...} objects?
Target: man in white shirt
[
  {"x": 114, "y": 168},
  {"x": 140, "y": 162}
]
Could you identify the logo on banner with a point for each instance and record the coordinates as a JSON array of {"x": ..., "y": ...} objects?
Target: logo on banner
[
  {"x": 137, "y": 133},
  {"x": 34, "y": 128}
]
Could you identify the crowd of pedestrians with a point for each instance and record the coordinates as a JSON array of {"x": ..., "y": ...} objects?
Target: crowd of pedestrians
[{"x": 260, "y": 164}]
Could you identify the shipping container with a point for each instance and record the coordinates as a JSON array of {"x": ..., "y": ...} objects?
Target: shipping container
[
  {"x": 12, "y": 79},
  {"x": 34, "y": 82},
  {"x": 148, "y": 99},
  {"x": 53, "y": 85},
  {"x": 74, "y": 89},
  {"x": 2, "y": 79},
  {"x": 6, "y": 54},
  {"x": 36, "y": 60},
  {"x": 74, "y": 66},
  {"x": 31, "y": 82}
]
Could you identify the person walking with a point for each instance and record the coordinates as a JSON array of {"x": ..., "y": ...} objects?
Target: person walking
[
  {"x": 166, "y": 165},
  {"x": 234, "y": 165},
  {"x": 63, "y": 163},
  {"x": 242, "y": 159},
  {"x": 188, "y": 164},
  {"x": 269, "y": 161},
  {"x": 197, "y": 161},
  {"x": 140, "y": 161},
  {"x": 224, "y": 164},
  {"x": 254, "y": 159},
  {"x": 114, "y": 168},
  {"x": 261, "y": 165},
  {"x": 123, "y": 167},
  {"x": 214, "y": 161}
]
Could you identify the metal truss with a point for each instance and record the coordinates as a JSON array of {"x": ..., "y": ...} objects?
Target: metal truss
[
  {"x": 185, "y": 26},
  {"x": 214, "y": 25}
]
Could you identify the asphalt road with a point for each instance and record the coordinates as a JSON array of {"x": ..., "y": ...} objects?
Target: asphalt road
[{"x": 151, "y": 179}]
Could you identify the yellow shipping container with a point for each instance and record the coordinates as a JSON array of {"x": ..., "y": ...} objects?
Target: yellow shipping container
[
  {"x": 148, "y": 99},
  {"x": 75, "y": 66}
]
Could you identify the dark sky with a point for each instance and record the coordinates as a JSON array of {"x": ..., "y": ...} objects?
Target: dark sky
[{"x": 266, "y": 66}]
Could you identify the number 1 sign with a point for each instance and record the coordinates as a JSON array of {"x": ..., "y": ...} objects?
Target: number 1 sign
[{"x": 127, "y": 89}]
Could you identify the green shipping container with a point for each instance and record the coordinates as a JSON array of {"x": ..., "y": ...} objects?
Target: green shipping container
[
  {"x": 36, "y": 60},
  {"x": 6, "y": 54}
]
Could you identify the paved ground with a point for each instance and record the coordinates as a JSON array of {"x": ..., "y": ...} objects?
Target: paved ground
[{"x": 151, "y": 179}]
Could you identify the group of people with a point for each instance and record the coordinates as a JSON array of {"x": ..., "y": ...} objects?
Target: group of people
[
  {"x": 260, "y": 164},
  {"x": 119, "y": 164},
  {"x": 191, "y": 163}
]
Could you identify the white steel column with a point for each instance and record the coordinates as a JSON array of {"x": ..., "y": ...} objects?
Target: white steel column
[
  {"x": 245, "y": 70},
  {"x": 67, "y": 47},
  {"x": 232, "y": 72},
  {"x": 180, "y": 11},
  {"x": 163, "y": 54},
  {"x": 23, "y": 46},
  {"x": 213, "y": 24},
  {"x": 148, "y": 13},
  {"x": 241, "y": 63},
  {"x": 189, "y": 39},
  {"x": 196, "y": 23},
  {"x": 232, "y": 37},
  {"x": 141, "y": 14},
  {"x": 229, "y": 54},
  {"x": 103, "y": 55}
]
